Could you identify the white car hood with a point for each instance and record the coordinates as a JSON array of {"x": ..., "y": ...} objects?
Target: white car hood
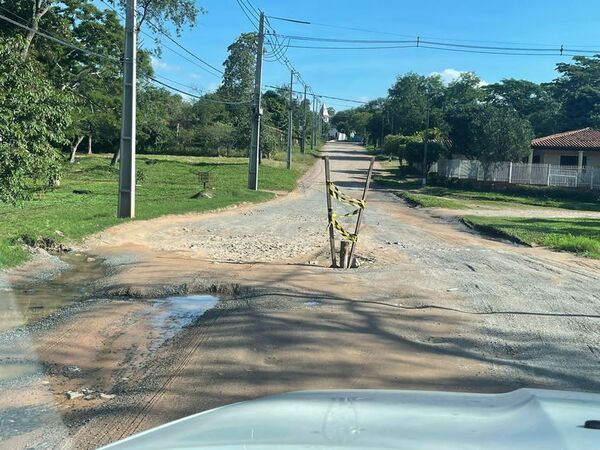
[{"x": 387, "y": 419}]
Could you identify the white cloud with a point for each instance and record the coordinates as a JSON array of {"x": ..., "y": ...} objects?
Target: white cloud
[
  {"x": 448, "y": 75},
  {"x": 159, "y": 64}
]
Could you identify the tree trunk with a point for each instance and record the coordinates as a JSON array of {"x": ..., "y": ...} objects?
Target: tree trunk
[
  {"x": 90, "y": 144},
  {"x": 74, "y": 148},
  {"x": 40, "y": 7}
]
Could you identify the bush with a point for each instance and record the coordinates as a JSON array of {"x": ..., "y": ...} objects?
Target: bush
[
  {"x": 414, "y": 152},
  {"x": 34, "y": 117}
]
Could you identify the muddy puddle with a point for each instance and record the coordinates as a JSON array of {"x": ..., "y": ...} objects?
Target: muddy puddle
[
  {"x": 172, "y": 314},
  {"x": 22, "y": 305}
]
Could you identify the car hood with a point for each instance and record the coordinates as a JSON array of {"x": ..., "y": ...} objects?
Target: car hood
[{"x": 385, "y": 419}]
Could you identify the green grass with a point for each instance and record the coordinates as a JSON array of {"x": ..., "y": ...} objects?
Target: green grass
[
  {"x": 459, "y": 196},
  {"x": 543, "y": 198},
  {"x": 169, "y": 185},
  {"x": 429, "y": 201},
  {"x": 580, "y": 236}
]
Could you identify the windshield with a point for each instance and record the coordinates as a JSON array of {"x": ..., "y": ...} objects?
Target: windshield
[{"x": 205, "y": 202}]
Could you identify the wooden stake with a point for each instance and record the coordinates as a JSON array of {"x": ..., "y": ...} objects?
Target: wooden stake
[
  {"x": 345, "y": 253},
  {"x": 329, "y": 212},
  {"x": 360, "y": 213}
]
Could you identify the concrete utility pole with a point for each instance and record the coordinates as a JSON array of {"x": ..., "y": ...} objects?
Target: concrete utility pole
[
  {"x": 256, "y": 110},
  {"x": 303, "y": 123},
  {"x": 290, "y": 122},
  {"x": 425, "y": 141},
  {"x": 312, "y": 129},
  {"x": 381, "y": 137},
  {"x": 126, "y": 207}
]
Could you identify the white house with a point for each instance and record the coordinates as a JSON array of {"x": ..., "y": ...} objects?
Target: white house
[{"x": 580, "y": 148}]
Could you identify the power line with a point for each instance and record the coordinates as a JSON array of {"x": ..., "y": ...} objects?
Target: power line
[
  {"x": 256, "y": 10},
  {"x": 59, "y": 41},
  {"x": 202, "y": 97},
  {"x": 192, "y": 54},
  {"x": 318, "y": 47},
  {"x": 318, "y": 95},
  {"x": 419, "y": 42},
  {"x": 284, "y": 19},
  {"x": 437, "y": 38},
  {"x": 158, "y": 30},
  {"x": 247, "y": 13}
]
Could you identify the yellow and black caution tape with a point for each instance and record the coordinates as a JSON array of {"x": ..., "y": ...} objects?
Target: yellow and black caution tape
[
  {"x": 340, "y": 196},
  {"x": 337, "y": 226},
  {"x": 335, "y": 192}
]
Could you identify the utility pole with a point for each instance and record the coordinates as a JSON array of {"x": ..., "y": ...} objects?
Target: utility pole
[
  {"x": 425, "y": 145},
  {"x": 381, "y": 138},
  {"x": 303, "y": 123},
  {"x": 312, "y": 129},
  {"x": 126, "y": 206},
  {"x": 256, "y": 110},
  {"x": 290, "y": 122}
]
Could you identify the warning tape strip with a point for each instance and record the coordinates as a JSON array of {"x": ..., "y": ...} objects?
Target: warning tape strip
[
  {"x": 340, "y": 229},
  {"x": 340, "y": 196}
]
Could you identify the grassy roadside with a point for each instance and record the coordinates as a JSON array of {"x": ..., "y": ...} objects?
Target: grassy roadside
[
  {"x": 429, "y": 201},
  {"x": 432, "y": 196},
  {"x": 168, "y": 186},
  {"x": 580, "y": 236}
]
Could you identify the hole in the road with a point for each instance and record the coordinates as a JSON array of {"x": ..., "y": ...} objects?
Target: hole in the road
[
  {"x": 312, "y": 303},
  {"x": 175, "y": 313},
  {"x": 26, "y": 304}
]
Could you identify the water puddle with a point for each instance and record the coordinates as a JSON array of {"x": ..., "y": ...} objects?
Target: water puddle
[
  {"x": 312, "y": 303},
  {"x": 25, "y": 304},
  {"x": 13, "y": 370},
  {"x": 175, "y": 313}
]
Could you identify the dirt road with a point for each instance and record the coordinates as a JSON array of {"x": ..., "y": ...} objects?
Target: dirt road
[{"x": 433, "y": 306}]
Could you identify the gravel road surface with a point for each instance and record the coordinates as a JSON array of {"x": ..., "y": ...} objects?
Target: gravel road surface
[{"x": 433, "y": 306}]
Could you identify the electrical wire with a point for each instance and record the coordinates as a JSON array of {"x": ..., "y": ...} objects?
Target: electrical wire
[
  {"x": 203, "y": 98},
  {"x": 157, "y": 30},
  {"x": 421, "y": 43},
  {"x": 247, "y": 14},
  {"x": 316, "y": 95},
  {"x": 59, "y": 41},
  {"x": 437, "y": 38}
]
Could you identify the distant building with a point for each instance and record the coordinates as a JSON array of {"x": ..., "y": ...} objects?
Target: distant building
[
  {"x": 335, "y": 134},
  {"x": 324, "y": 113},
  {"x": 579, "y": 148}
]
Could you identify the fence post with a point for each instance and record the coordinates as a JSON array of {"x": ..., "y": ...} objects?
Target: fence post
[
  {"x": 510, "y": 172},
  {"x": 548, "y": 179}
]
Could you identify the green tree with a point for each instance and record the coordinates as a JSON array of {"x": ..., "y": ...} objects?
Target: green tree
[
  {"x": 32, "y": 123},
  {"x": 238, "y": 85},
  {"x": 409, "y": 99},
  {"x": 490, "y": 134},
  {"x": 532, "y": 101},
  {"x": 578, "y": 91}
]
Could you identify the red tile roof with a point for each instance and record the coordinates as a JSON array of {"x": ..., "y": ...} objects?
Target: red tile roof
[{"x": 584, "y": 139}]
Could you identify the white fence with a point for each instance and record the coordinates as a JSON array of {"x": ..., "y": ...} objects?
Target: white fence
[{"x": 520, "y": 173}]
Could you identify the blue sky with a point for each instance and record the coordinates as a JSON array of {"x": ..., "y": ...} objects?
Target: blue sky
[{"x": 360, "y": 74}]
